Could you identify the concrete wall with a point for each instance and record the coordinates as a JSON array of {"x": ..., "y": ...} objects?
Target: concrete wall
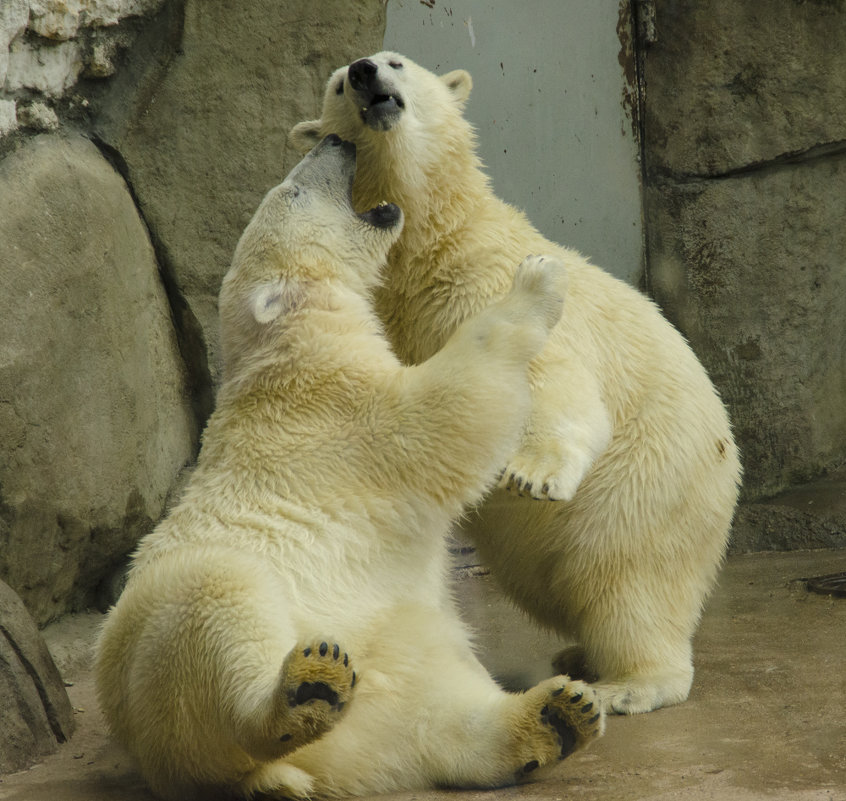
[{"x": 552, "y": 102}]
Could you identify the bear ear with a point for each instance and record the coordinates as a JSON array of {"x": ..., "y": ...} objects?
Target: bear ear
[
  {"x": 275, "y": 298},
  {"x": 305, "y": 135},
  {"x": 459, "y": 83}
]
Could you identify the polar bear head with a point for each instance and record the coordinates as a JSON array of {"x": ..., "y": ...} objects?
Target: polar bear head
[
  {"x": 305, "y": 248},
  {"x": 385, "y": 92},
  {"x": 399, "y": 115}
]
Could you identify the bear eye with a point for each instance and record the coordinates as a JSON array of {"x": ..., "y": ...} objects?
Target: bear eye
[
  {"x": 397, "y": 65},
  {"x": 340, "y": 88}
]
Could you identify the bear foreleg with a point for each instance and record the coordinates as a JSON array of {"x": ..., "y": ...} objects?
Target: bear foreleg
[{"x": 567, "y": 429}]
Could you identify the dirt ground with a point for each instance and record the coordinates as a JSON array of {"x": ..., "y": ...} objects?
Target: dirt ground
[{"x": 766, "y": 720}]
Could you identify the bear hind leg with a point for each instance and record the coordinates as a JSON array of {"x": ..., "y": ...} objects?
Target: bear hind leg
[
  {"x": 552, "y": 721},
  {"x": 316, "y": 683},
  {"x": 523, "y": 734}
]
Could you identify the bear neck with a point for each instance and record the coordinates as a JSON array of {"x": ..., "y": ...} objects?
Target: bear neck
[
  {"x": 442, "y": 199},
  {"x": 438, "y": 195}
]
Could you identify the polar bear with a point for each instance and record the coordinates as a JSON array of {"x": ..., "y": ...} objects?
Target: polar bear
[
  {"x": 288, "y": 628},
  {"x": 627, "y": 436}
]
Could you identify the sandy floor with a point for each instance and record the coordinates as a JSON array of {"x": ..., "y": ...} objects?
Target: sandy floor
[{"x": 766, "y": 720}]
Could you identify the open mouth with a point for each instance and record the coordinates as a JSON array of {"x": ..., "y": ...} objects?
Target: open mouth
[
  {"x": 385, "y": 215},
  {"x": 381, "y": 112}
]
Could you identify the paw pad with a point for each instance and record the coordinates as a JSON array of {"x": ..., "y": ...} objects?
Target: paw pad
[
  {"x": 321, "y": 673},
  {"x": 317, "y": 682},
  {"x": 572, "y": 713}
]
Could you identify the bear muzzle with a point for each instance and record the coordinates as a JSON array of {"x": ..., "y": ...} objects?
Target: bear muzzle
[{"x": 379, "y": 104}]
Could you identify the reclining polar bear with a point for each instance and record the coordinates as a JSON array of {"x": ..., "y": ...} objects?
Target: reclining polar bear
[{"x": 288, "y": 628}]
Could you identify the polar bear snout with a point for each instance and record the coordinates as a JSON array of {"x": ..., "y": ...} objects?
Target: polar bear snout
[
  {"x": 333, "y": 140},
  {"x": 379, "y": 103},
  {"x": 330, "y": 163},
  {"x": 362, "y": 74}
]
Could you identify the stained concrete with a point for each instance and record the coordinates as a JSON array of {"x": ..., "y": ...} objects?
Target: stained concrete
[{"x": 766, "y": 720}]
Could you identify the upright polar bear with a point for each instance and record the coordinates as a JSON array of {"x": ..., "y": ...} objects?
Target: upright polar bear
[
  {"x": 626, "y": 434},
  {"x": 288, "y": 628}
]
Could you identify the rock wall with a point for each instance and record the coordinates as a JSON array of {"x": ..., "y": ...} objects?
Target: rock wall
[
  {"x": 137, "y": 138},
  {"x": 745, "y": 160}
]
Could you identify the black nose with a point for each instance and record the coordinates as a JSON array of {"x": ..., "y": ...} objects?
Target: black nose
[{"x": 361, "y": 73}]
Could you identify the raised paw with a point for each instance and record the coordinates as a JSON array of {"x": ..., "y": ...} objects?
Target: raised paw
[
  {"x": 318, "y": 681},
  {"x": 560, "y": 717},
  {"x": 542, "y": 476},
  {"x": 544, "y": 278},
  {"x": 555, "y": 453}
]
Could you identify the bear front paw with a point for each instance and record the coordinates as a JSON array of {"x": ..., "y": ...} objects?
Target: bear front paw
[
  {"x": 317, "y": 682},
  {"x": 540, "y": 476},
  {"x": 544, "y": 278}
]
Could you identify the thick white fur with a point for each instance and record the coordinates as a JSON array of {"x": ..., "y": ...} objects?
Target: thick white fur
[
  {"x": 626, "y": 430},
  {"x": 328, "y": 476}
]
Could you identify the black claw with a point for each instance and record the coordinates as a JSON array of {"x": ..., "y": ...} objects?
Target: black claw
[
  {"x": 335, "y": 651},
  {"x": 594, "y": 718},
  {"x": 545, "y": 711},
  {"x": 323, "y": 649},
  {"x": 576, "y": 698},
  {"x": 285, "y": 737},
  {"x": 558, "y": 691},
  {"x": 528, "y": 487},
  {"x": 346, "y": 660},
  {"x": 352, "y": 683},
  {"x": 307, "y": 652},
  {"x": 530, "y": 766},
  {"x": 545, "y": 489},
  {"x": 587, "y": 707}
]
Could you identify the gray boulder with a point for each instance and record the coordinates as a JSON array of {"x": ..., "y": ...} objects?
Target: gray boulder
[
  {"x": 35, "y": 715},
  {"x": 94, "y": 418}
]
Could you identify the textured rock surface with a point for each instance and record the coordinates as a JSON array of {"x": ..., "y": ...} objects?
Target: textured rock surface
[
  {"x": 46, "y": 46},
  {"x": 203, "y": 127},
  {"x": 94, "y": 419},
  {"x": 732, "y": 85},
  {"x": 103, "y": 365},
  {"x": 752, "y": 270},
  {"x": 745, "y": 156},
  {"x": 35, "y": 714},
  {"x": 809, "y": 517}
]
